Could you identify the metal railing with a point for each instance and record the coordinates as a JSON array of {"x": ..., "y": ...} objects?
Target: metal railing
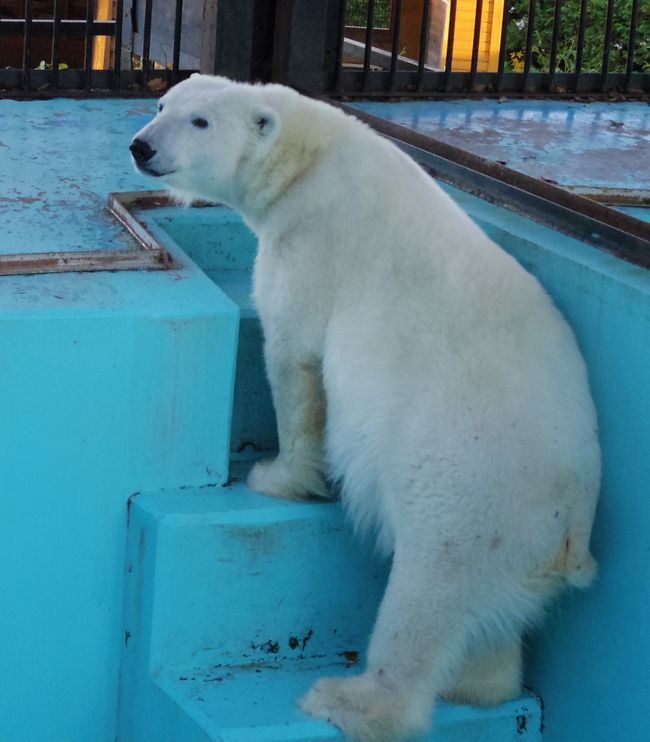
[
  {"x": 551, "y": 47},
  {"x": 344, "y": 48}
]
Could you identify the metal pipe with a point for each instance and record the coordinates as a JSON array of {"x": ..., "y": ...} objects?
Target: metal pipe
[
  {"x": 88, "y": 45},
  {"x": 554, "y": 44},
  {"x": 581, "y": 42},
  {"x": 528, "y": 58},
  {"x": 27, "y": 46},
  {"x": 424, "y": 42},
  {"x": 370, "y": 23},
  {"x": 397, "y": 18},
  {"x": 608, "y": 40},
  {"x": 176, "y": 54},
  {"x": 478, "y": 17},
  {"x": 502, "y": 48},
  {"x": 631, "y": 42}
]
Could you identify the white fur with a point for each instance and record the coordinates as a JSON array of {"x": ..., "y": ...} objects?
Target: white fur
[{"x": 458, "y": 415}]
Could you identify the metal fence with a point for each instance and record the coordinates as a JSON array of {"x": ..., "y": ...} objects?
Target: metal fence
[{"x": 345, "y": 48}]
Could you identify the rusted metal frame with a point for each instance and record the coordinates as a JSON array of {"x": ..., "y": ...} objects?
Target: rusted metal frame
[
  {"x": 554, "y": 44},
  {"x": 639, "y": 197},
  {"x": 451, "y": 33},
  {"x": 394, "y": 54},
  {"x": 424, "y": 43},
  {"x": 607, "y": 44},
  {"x": 631, "y": 42},
  {"x": 147, "y": 255},
  {"x": 122, "y": 205},
  {"x": 367, "y": 53},
  {"x": 82, "y": 262},
  {"x": 27, "y": 45},
  {"x": 476, "y": 40},
  {"x": 591, "y": 222}
]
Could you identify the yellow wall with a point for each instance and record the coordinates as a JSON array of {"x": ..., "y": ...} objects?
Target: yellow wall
[{"x": 490, "y": 36}]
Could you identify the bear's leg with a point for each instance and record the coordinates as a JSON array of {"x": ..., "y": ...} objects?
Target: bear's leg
[
  {"x": 299, "y": 401},
  {"x": 489, "y": 675},
  {"x": 418, "y": 644}
]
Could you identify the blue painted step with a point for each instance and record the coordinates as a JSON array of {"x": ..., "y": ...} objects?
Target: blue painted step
[{"x": 236, "y": 603}]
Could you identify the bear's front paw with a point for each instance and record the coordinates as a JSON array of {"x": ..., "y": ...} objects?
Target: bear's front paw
[
  {"x": 274, "y": 477},
  {"x": 363, "y": 709}
]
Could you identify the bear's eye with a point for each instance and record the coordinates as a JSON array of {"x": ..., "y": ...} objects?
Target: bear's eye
[
  {"x": 160, "y": 107},
  {"x": 199, "y": 123}
]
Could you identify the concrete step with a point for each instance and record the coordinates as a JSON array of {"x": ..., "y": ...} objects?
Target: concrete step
[
  {"x": 257, "y": 703},
  {"x": 236, "y": 603}
]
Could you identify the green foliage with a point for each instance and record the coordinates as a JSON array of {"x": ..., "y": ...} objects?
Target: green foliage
[
  {"x": 594, "y": 41},
  {"x": 592, "y": 60},
  {"x": 357, "y": 13}
]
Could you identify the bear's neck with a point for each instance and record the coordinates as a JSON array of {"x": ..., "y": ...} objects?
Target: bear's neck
[{"x": 270, "y": 181}]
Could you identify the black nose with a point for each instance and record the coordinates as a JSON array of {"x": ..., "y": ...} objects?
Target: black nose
[{"x": 141, "y": 151}]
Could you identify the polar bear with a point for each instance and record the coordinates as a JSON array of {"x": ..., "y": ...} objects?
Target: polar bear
[{"x": 416, "y": 364}]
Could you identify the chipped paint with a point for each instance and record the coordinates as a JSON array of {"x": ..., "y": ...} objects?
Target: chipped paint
[
  {"x": 595, "y": 144},
  {"x": 59, "y": 160}
]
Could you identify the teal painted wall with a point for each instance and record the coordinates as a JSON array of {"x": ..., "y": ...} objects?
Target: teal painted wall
[
  {"x": 590, "y": 660},
  {"x": 110, "y": 383}
]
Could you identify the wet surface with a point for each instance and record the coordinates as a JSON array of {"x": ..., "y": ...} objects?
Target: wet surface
[
  {"x": 596, "y": 144},
  {"x": 59, "y": 160}
]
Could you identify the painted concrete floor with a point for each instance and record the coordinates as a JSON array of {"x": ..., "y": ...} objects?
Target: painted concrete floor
[
  {"x": 59, "y": 159},
  {"x": 596, "y": 144}
]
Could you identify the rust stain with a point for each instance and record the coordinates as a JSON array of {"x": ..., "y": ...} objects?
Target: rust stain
[{"x": 351, "y": 658}]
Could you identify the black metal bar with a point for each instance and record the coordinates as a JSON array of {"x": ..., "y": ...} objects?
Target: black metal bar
[
  {"x": 176, "y": 54},
  {"x": 146, "y": 40},
  {"x": 340, "y": 45},
  {"x": 56, "y": 43},
  {"x": 552, "y": 65},
  {"x": 396, "y": 19},
  {"x": 117, "y": 64},
  {"x": 27, "y": 45},
  {"x": 88, "y": 49},
  {"x": 607, "y": 43},
  {"x": 582, "y": 23},
  {"x": 502, "y": 49},
  {"x": 528, "y": 58},
  {"x": 631, "y": 43},
  {"x": 45, "y": 26},
  {"x": 451, "y": 33},
  {"x": 370, "y": 23},
  {"x": 424, "y": 42},
  {"x": 478, "y": 17}
]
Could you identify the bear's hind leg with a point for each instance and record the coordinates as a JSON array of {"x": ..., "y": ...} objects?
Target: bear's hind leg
[
  {"x": 418, "y": 644},
  {"x": 489, "y": 675}
]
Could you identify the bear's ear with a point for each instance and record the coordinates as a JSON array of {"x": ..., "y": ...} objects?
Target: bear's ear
[{"x": 266, "y": 122}]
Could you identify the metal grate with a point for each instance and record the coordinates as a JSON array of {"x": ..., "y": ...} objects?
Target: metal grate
[
  {"x": 551, "y": 47},
  {"x": 83, "y": 46},
  {"x": 336, "y": 47}
]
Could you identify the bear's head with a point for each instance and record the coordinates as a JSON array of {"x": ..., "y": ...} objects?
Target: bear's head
[{"x": 206, "y": 127}]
